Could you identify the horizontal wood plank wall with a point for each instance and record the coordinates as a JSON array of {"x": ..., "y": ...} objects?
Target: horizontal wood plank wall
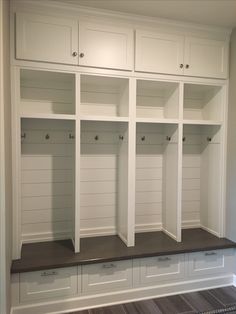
[
  {"x": 99, "y": 177},
  {"x": 47, "y": 179},
  {"x": 191, "y": 177},
  {"x": 149, "y": 170}
]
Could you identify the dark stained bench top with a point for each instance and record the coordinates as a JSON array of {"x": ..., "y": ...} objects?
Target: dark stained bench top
[{"x": 44, "y": 255}]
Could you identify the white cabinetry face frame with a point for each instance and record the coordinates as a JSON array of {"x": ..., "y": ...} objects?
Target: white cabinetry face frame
[{"x": 132, "y": 124}]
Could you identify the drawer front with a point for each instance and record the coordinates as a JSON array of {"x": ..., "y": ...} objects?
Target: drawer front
[
  {"x": 107, "y": 276},
  {"x": 162, "y": 268},
  {"x": 210, "y": 262},
  {"x": 48, "y": 283}
]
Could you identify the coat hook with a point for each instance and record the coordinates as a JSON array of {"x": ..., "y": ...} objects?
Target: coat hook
[
  {"x": 96, "y": 137},
  {"x": 47, "y": 136},
  {"x": 23, "y": 135},
  {"x": 121, "y": 137},
  {"x": 143, "y": 138},
  {"x": 168, "y": 138},
  {"x": 184, "y": 139},
  {"x": 208, "y": 139},
  {"x": 71, "y": 136}
]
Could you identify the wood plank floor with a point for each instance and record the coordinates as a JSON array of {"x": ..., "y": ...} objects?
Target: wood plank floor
[{"x": 188, "y": 303}]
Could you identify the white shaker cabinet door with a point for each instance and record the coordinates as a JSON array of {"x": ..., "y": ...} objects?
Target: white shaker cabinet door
[
  {"x": 46, "y": 38},
  {"x": 105, "y": 46},
  {"x": 206, "y": 57},
  {"x": 159, "y": 52}
]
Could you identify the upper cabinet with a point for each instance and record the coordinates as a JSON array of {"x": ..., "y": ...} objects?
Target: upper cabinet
[
  {"x": 171, "y": 54},
  {"x": 58, "y": 40},
  {"x": 105, "y": 46},
  {"x": 159, "y": 53},
  {"x": 98, "y": 45},
  {"x": 47, "y": 39},
  {"x": 206, "y": 57}
]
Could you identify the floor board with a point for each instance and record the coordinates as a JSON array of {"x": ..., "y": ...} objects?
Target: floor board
[{"x": 187, "y": 303}]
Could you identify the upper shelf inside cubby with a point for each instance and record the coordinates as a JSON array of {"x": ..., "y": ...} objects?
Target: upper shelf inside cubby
[
  {"x": 104, "y": 97},
  {"x": 157, "y": 100},
  {"x": 46, "y": 94},
  {"x": 203, "y": 103}
]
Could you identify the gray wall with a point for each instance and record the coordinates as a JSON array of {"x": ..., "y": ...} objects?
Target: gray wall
[
  {"x": 231, "y": 153},
  {"x": 5, "y": 133}
]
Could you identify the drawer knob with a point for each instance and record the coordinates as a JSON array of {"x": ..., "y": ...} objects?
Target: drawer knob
[
  {"x": 210, "y": 253},
  {"x": 81, "y": 55},
  {"x": 181, "y": 65},
  {"x": 49, "y": 273},
  {"x": 187, "y": 66},
  {"x": 108, "y": 266},
  {"x": 74, "y": 54},
  {"x": 164, "y": 259}
]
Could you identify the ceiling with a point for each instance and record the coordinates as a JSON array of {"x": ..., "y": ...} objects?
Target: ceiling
[{"x": 211, "y": 12}]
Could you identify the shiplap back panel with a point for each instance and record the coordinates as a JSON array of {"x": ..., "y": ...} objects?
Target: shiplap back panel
[
  {"x": 201, "y": 179},
  {"x": 104, "y": 96},
  {"x": 191, "y": 177},
  {"x": 100, "y": 166},
  {"x": 47, "y": 159},
  {"x": 149, "y": 168},
  {"x": 47, "y": 92}
]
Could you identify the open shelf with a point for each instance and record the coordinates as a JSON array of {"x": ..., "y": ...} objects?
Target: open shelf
[
  {"x": 104, "y": 179},
  {"x": 104, "y": 96},
  {"x": 156, "y": 178},
  {"x": 201, "y": 199},
  {"x": 47, "y": 180},
  {"x": 157, "y": 100},
  {"x": 44, "y": 92},
  {"x": 203, "y": 102}
]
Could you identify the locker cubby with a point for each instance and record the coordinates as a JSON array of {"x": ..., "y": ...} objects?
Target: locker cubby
[
  {"x": 201, "y": 187},
  {"x": 44, "y": 92},
  {"x": 104, "y": 96},
  {"x": 157, "y": 178},
  {"x": 203, "y": 102},
  {"x": 158, "y": 100},
  {"x": 47, "y": 179},
  {"x": 104, "y": 179}
]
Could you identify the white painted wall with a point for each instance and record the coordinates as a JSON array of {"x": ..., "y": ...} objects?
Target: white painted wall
[
  {"x": 231, "y": 161},
  {"x": 5, "y": 159}
]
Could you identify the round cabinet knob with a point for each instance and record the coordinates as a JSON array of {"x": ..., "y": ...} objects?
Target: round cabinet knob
[
  {"x": 74, "y": 54},
  {"x": 181, "y": 65},
  {"x": 81, "y": 55},
  {"x": 187, "y": 66}
]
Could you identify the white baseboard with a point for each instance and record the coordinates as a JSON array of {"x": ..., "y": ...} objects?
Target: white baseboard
[
  {"x": 124, "y": 296},
  {"x": 190, "y": 224},
  {"x": 148, "y": 227}
]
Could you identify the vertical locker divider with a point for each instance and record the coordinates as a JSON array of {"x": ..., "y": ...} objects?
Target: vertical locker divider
[
  {"x": 132, "y": 161},
  {"x": 16, "y": 164},
  {"x": 77, "y": 164}
]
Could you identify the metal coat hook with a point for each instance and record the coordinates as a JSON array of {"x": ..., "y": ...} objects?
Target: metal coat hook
[
  {"x": 47, "y": 136},
  {"x": 71, "y": 136},
  {"x": 23, "y": 135},
  {"x": 208, "y": 139},
  {"x": 168, "y": 138},
  {"x": 143, "y": 138},
  {"x": 184, "y": 139},
  {"x": 121, "y": 137},
  {"x": 96, "y": 138}
]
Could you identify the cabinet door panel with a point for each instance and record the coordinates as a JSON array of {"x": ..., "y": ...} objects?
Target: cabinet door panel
[
  {"x": 206, "y": 57},
  {"x": 44, "y": 38},
  {"x": 159, "y": 52},
  {"x": 105, "y": 46}
]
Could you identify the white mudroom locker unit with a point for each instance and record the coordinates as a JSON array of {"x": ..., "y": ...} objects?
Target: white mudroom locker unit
[{"x": 119, "y": 139}]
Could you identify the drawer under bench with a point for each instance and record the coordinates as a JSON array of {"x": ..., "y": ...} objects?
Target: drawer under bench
[{"x": 116, "y": 276}]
